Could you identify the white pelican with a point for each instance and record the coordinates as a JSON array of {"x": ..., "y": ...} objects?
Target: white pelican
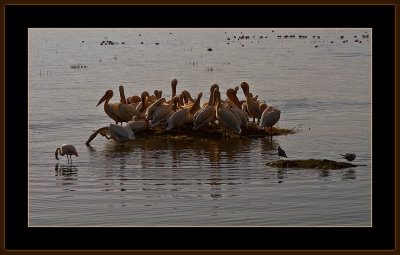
[
  {"x": 111, "y": 109},
  {"x": 66, "y": 149},
  {"x": 225, "y": 117},
  {"x": 137, "y": 124},
  {"x": 153, "y": 108},
  {"x": 270, "y": 117},
  {"x": 252, "y": 104},
  {"x": 163, "y": 113},
  {"x": 236, "y": 107},
  {"x": 184, "y": 115},
  {"x": 141, "y": 107},
  {"x": 121, "y": 133},
  {"x": 207, "y": 113},
  {"x": 126, "y": 111},
  {"x": 174, "y": 83}
]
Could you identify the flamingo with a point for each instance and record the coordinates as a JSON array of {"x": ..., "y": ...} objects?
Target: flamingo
[
  {"x": 226, "y": 118},
  {"x": 111, "y": 109},
  {"x": 252, "y": 104},
  {"x": 126, "y": 111},
  {"x": 184, "y": 115},
  {"x": 270, "y": 117},
  {"x": 66, "y": 149}
]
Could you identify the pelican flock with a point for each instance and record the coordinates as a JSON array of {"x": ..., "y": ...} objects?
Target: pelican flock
[{"x": 181, "y": 110}]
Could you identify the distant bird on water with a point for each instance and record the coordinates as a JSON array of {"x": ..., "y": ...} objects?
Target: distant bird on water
[
  {"x": 281, "y": 152},
  {"x": 66, "y": 149},
  {"x": 349, "y": 156}
]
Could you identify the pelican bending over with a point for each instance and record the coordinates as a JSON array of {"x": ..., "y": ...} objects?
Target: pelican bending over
[
  {"x": 66, "y": 149},
  {"x": 121, "y": 133},
  {"x": 111, "y": 109},
  {"x": 184, "y": 115},
  {"x": 126, "y": 111},
  {"x": 270, "y": 117},
  {"x": 252, "y": 104},
  {"x": 226, "y": 118}
]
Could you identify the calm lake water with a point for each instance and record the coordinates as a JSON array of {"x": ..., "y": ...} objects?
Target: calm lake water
[{"x": 321, "y": 84}]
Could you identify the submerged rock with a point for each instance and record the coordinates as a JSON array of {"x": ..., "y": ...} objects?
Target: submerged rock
[{"x": 310, "y": 163}]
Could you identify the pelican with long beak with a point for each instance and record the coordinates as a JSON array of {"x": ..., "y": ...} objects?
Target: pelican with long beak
[
  {"x": 126, "y": 111},
  {"x": 142, "y": 106},
  {"x": 252, "y": 104},
  {"x": 184, "y": 115},
  {"x": 207, "y": 113},
  {"x": 236, "y": 107},
  {"x": 163, "y": 113},
  {"x": 225, "y": 117},
  {"x": 174, "y": 83},
  {"x": 111, "y": 109}
]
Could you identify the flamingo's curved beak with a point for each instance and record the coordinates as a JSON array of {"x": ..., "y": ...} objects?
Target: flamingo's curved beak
[{"x": 56, "y": 154}]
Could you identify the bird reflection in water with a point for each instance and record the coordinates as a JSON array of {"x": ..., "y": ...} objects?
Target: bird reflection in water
[
  {"x": 349, "y": 174},
  {"x": 67, "y": 174}
]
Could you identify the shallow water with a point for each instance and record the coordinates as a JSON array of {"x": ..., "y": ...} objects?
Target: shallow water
[{"x": 323, "y": 91}]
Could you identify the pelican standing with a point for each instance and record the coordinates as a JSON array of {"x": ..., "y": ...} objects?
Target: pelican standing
[
  {"x": 111, "y": 109},
  {"x": 236, "y": 107},
  {"x": 252, "y": 104},
  {"x": 126, "y": 111},
  {"x": 206, "y": 114},
  {"x": 184, "y": 115},
  {"x": 174, "y": 83},
  {"x": 270, "y": 117},
  {"x": 225, "y": 117},
  {"x": 66, "y": 149}
]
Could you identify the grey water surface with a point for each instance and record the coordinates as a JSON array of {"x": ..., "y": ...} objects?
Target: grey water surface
[{"x": 321, "y": 84}]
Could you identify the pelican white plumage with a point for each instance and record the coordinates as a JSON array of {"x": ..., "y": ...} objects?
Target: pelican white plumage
[
  {"x": 137, "y": 124},
  {"x": 184, "y": 115},
  {"x": 126, "y": 111},
  {"x": 225, "y": 117},
  {"x": 66, "y": 149},
  {"x": 206, "y": 114},
  {"x": 111, "y": 109},
  {"x": 252, "y": 104},
  {"x": 236, "y": 107},
  {"x": 270, "y": 117},
  {"x": 163, "y": 113},
  {"x": 121, "y": 133}
]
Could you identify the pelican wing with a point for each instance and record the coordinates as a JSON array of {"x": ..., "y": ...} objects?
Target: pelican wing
[
  {"x": 203, "y": 117},
  {"x": 177, "y": 119},
  {"x": 228, "y": 119},
  {"x": 121, "y": 133},
  {"x": 270, "y": 117},
  {"x": 137, "y": 125},
  {"x": 127, "y": 112}
]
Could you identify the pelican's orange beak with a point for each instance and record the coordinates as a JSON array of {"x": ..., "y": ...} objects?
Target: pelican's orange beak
[{"x": 105, "y": 97}]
